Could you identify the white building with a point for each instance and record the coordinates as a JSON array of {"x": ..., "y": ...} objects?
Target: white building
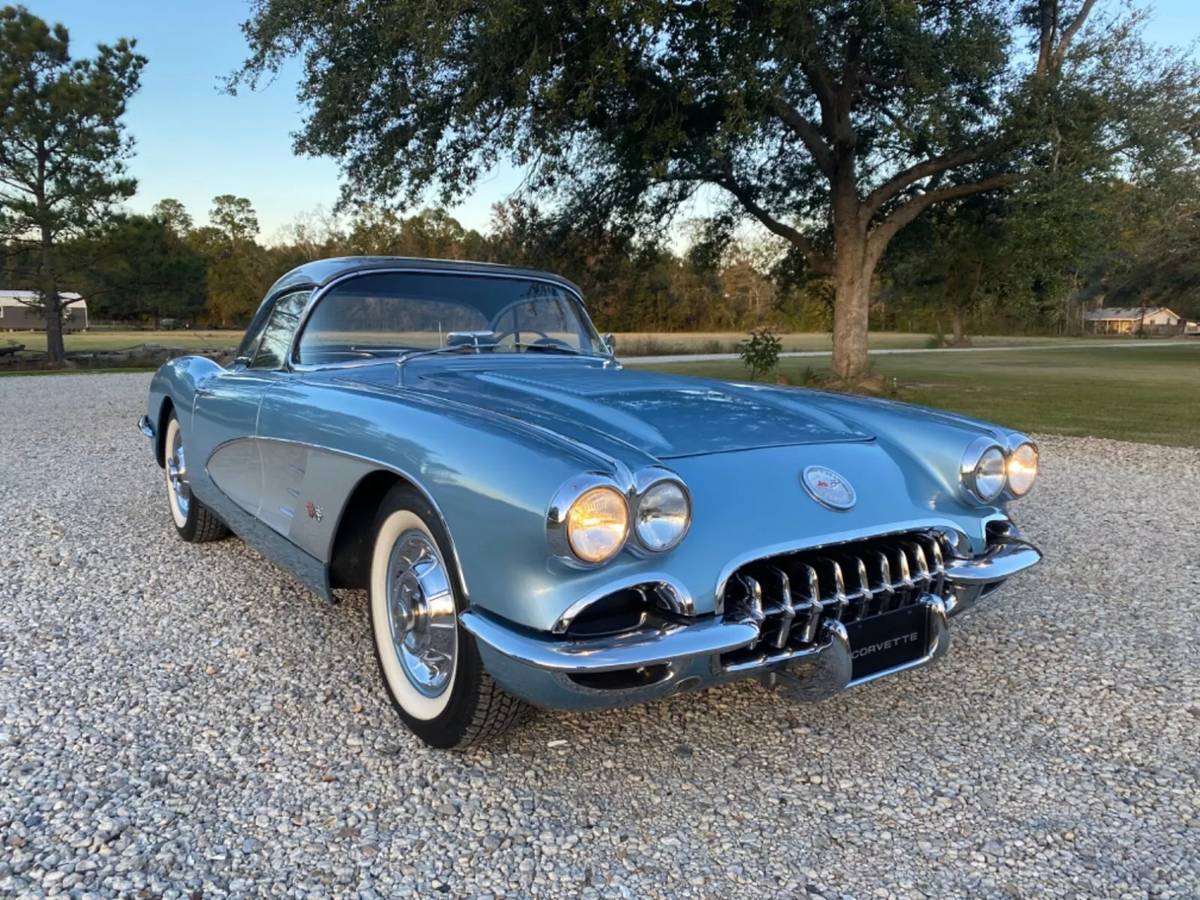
[
  {"x": 1134, "y": 319},
  {"x": 18, "y": 311}
]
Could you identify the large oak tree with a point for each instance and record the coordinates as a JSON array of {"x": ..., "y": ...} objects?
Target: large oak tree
[
  {"x": 62, "y": 145},
  {"x": 833, "y": 123}
]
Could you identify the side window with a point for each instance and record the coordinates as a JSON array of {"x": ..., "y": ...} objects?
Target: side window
[{"x": 277, "y": 336}]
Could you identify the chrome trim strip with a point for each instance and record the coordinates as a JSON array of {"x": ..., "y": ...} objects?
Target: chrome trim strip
[
  {"x": 145, "y": 427},
  {"x": 997, "y": 564},
  {"x": 648, "y": 647},
  {"x": 765, "y": 661},
  {"x": 686, "y": 606},
  {"x": 387, "y": 467}
]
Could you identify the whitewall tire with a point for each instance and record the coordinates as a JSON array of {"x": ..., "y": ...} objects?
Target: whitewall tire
[
  {"x": 413, "y": 615},
  {"x": 429, "y": 664},
  {"x": 193, "y": 521}
]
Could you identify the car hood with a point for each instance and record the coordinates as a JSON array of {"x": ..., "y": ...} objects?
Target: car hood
[{"x": 663, "y": 415}]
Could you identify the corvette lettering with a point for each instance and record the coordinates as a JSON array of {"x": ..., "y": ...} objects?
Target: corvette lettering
[{"x": 885, "y": 645}]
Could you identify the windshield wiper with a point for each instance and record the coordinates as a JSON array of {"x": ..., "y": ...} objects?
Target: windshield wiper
[{"x": 430, "y": 351}]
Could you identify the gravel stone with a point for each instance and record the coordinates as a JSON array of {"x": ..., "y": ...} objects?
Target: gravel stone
[{"x": 182, "y": 720}]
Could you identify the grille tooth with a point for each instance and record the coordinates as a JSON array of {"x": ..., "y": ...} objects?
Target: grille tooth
[
  {"x": 939, "y": 565},
  {"x": 791, "y": 595},
  {"x": 787, "y": 610},
  {"x": 864, "y": 588},
  {"x": 755, "y": 592},
  {"x": 838, "y": 598},
  {"x": 812, "y": 607},
  {"x": 886, "y": 585},
  {"x": 918, "y": 553},
  {"x": 905, "y": 573}
]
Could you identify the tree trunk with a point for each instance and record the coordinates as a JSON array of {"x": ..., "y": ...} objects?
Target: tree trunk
[
  {"x": 852, "y": 305},
  {"x": 51, "y": 307},
  {"x": 958, "y": 327}
]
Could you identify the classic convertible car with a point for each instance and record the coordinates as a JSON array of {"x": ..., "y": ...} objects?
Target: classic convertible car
[{"x": 535, "y": 523}]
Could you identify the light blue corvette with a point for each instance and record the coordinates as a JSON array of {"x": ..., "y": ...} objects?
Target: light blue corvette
[{"x": 535, "y": 523}]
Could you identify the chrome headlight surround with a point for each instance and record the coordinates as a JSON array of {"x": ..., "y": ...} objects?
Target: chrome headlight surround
[
  {"x": 558, "y": 518},
  {"x": 646, "y": 482},
  {"x": 1018, "y": 445},
  {"x": 978, "y": 468}
]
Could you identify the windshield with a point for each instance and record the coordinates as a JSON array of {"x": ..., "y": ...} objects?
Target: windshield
[{"x": 387, "y": 314}]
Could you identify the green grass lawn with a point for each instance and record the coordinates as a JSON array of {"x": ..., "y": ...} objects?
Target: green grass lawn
[
  {"x": 628, "y": 343},
  {"x": 1149, "y": 394},
  {"x": 103, "y": 339},
  {"x": 645, "y": 343}
]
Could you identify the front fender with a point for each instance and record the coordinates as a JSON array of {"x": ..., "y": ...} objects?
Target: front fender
[{"x": 173, "y": 388}]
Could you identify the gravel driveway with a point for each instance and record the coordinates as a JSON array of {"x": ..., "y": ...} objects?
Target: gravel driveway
[{"x": 178, "y": 719}]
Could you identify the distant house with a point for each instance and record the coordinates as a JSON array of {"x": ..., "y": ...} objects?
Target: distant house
[
  {"x": 18, "y": 312},
  {"x": 1134, "y": 319}
]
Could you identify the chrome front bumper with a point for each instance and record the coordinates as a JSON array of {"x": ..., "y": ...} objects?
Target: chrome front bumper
[{"x": 808, "y": 673}]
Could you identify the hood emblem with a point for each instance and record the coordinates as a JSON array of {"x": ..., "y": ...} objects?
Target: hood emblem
[{"x": 828, "y": 488}]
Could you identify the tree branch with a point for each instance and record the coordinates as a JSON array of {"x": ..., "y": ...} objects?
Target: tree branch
[
  {"x": 1060, "y": 52},
  {"x": 898, "y": 182},
  {"x": 883, "y": 233},
  {"x": 817, "y": 260},
  {"x": 807, "y": 132},
  {"x": 819, "y": 78},
  {"x": 1047, "y": 25}
]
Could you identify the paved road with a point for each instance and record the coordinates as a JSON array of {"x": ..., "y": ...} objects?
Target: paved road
[
  {"x": 181, "y": 720},
  {"x": 815, "y": 354}
]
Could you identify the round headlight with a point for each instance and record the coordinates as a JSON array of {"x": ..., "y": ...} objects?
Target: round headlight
[
  {"x": 663, "y": 516},
  {"x": 983, "y": 470},
  {"x": 1022, "y": 469},
  {"x": 597, "y": 524}
]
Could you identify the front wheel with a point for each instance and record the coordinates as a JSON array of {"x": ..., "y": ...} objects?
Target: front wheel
[
  {"x": 194, "y": 522},
  {"x": 428, "y": 662}
]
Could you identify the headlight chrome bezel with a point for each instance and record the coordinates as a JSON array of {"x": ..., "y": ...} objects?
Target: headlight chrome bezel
[
  {"x": 1015, "y": 442},
  {"x": 565, "y": 498},
  {"x": 644, "y": 482},
  {"x": 973, "y": 457},
  {"x": 558, "y": 517},
  {"x": 969, "y": 469}
]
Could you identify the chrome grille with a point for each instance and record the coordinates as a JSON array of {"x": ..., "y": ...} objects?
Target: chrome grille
[{"x": 790, "y": 595}]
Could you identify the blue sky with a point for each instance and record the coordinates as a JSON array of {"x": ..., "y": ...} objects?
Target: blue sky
[{"x": 194, "y": 141}]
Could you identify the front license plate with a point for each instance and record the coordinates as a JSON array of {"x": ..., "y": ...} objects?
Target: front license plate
[{"x": 888, "y": 640}]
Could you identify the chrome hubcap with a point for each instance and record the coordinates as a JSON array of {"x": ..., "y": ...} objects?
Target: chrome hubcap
[
  {"x": 421, "y": 614},
  {"x": 177, "y": 474}
]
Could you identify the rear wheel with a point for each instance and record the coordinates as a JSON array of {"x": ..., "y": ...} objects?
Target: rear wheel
[
  {"x": 194, "y": 522},
  {"x": 429, "y": 664}
]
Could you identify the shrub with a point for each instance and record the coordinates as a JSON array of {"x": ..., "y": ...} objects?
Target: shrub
[{"x": 760, "y": 352}]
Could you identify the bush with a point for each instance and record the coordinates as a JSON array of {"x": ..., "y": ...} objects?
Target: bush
[{"x": 760, "y": 352}]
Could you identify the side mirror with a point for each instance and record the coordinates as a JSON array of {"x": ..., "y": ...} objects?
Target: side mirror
[
  {"x": 609, "y": 340},
  {"x": 240, "y": 362}
]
